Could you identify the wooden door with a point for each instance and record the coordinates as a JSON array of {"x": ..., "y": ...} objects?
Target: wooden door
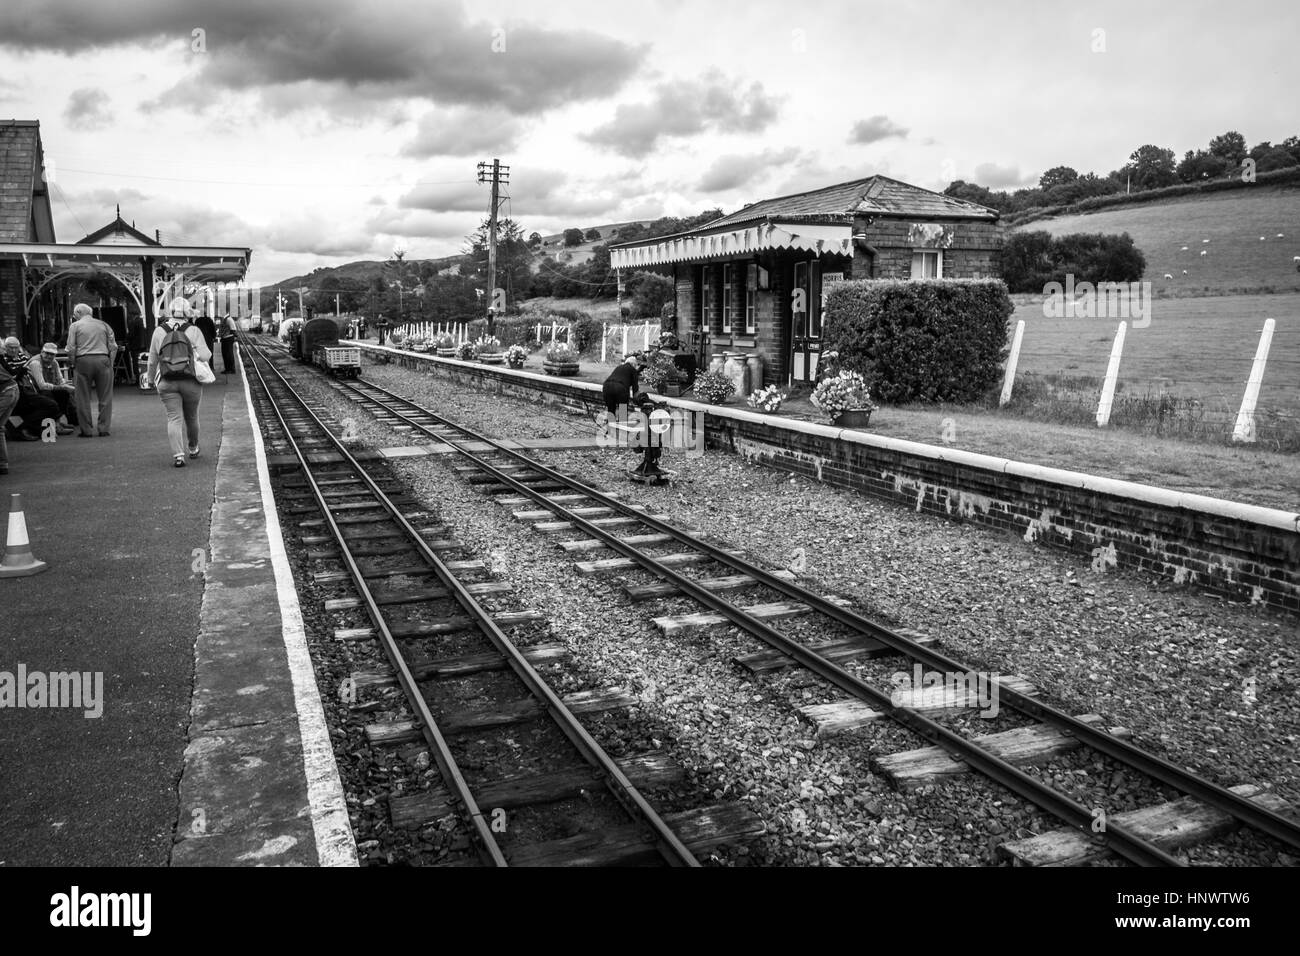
[{"x": 806, "y": 321}]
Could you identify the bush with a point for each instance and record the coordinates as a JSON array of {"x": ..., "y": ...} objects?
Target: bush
[
  {"x": 650, "y": 293},
  {"x": 586, "y": 331},
  {"x": 932, "y": 340},
  {"x": 714, "y": 387},
  {"x": 1028, "y": 261}
]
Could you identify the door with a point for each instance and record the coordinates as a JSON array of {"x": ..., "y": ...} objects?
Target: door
[{"x": 806, "y": 321}]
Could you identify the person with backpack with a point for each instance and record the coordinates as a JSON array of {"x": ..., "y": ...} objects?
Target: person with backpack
[{"x": 176, "y": 348}]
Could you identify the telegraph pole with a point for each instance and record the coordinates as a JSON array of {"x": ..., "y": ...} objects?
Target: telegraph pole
[{"x": 499, "y": 174}]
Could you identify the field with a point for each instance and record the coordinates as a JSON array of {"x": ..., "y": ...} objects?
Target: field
[
  {"x": 1235, "y": 260},
  {"x": 1194, "y": 348}
]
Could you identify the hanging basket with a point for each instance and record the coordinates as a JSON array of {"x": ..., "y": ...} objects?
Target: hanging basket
[{"x": 852, "y": 418}]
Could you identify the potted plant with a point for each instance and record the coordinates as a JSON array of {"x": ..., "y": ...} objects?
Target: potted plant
[
  {"x": 561, "y": 359},
  {"x": 714, "y": 387},
  {"x": 516, "y": 355},
  {"x": 419, "y": 343},
  {"x": 487, "y": 349},
  {"x": 396, "y": 338},
  {"x": 446, "y": 345},
  {"x": 662, "y": 376},
  {"x": 465, "y": 351},
  {"x": 767, "y": 399},
  {"x": 844, "y": 397}
]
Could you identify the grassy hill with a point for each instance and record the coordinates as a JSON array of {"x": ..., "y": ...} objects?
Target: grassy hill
[
  {"x": 554, "y": 244},
  {"x": 1236, "y": 260}
]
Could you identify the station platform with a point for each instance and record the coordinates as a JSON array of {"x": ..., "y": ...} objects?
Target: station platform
[{"x": 211, "y": 748}]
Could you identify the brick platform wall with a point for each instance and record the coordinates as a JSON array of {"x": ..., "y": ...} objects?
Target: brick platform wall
[{"x": 1239, "y": 551}]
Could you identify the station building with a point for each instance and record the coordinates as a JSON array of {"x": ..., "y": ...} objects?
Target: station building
[
  {"x": 124, "y": 273},
  {"x": 739, "y": 278}
]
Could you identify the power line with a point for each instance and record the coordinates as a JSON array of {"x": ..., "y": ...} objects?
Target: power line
[
  {"x": 69, "y": 208},
  {"x": 231, "y": 182}
]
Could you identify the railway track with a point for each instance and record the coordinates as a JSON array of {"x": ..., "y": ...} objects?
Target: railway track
[
  {"x": 557, "y": 503},
  {"x": 396, "y": 571}
]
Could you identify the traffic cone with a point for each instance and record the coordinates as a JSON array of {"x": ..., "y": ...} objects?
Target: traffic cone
[{"x": 18, "y": 560}]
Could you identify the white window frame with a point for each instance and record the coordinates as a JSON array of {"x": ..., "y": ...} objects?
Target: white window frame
[
  {"x": 751, "y": 300},
  {"x": 728, "y": 297},
  {"x": 938, "y": 263}
]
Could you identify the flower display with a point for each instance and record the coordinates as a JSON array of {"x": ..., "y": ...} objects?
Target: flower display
[
  {"x": 465, "y": 351},
  {"x": 516, "y": 355},
  {"x": 445, "y": 341},
  {"x": 845, "y": 391},
  {"x": 767, "y": 399},
  {"x": 487, "y": 344},
  {"x": 714, "y": 387},
  {"x": 562, "y": 353}
]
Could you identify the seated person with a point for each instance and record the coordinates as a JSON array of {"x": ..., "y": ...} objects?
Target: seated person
[
  {"x": 49, "y": 380},
  {"x": 33, "y": 407}
]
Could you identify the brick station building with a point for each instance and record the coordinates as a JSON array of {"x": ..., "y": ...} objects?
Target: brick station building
[{"x": 738, "y": 278}]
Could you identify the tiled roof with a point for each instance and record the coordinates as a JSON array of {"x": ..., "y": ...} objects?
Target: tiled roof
[
  {"x": 875, "y": 195},
  {"x": 19, "y": 145}
]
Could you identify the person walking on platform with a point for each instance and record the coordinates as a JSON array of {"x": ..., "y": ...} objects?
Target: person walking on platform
[
  {"x": 205, "y": 325},
  {"x": 229, "y": 329},
  {"x": 176, "y": 346},
  {"x": 8, "y": 399},
  {"x": 622, "y": 383},
  {"x": 91, "y": 351}
]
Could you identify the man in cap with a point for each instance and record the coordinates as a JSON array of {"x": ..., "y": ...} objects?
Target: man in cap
[
  {"x": 33, "y": 407},
  {"x": 91, "y": 350},
  {"x": 43, "y": 367}
]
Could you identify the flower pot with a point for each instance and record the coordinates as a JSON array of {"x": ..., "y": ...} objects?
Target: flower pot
[
  {"x": 560, "y": 368},
  {"x": 492, "y": 358},
  {"x": 447, "y": 353},
  {"x": 852, "y": 418},
  {"x": 673, "y": 389}
]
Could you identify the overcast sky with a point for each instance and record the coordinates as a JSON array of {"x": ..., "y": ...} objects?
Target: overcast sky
[{"x": 325, "y": 131}]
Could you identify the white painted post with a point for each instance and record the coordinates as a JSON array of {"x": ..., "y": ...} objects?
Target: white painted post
[
  {"x": 1112, "y": 374},
  {"x": 1010, "y": 376},
  {"x": 624, "y": 340},
  {"x": 604, "y": 333},
  {"x": 1244, "y": 430},
  {"x": 552, "y": 331},
  {"x": 539, "y": 332},
  {"x": 647, "y": 335}
]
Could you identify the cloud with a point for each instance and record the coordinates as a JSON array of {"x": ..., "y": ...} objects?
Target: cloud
[
  {"x": 812, "y": 173},
  {"x": 464, "y": 132},
  {"x": 87, "y": 109},
  {"x": 378, "y": 49},
  {"x": 737, "y": 169},
  {"x": 534, "y": 192},
  {"x": 999, "y": 177},
  {"x": 687, "y": 107},
  {"x": 318, "y": 235},
  {"x": 421, "y": 224},
  {"x": 875, "y": 128}
]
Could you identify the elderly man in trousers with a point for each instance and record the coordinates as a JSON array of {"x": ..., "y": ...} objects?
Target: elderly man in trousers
[{"x": 91, "y": 351}]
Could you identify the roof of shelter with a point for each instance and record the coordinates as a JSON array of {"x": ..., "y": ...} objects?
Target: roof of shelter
[{"x": 118, "y": 232}]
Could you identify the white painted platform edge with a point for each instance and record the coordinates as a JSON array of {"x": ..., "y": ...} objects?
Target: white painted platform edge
[
  {"x": 335, "y": 843},
  {"x": 1151, "y": 494}
]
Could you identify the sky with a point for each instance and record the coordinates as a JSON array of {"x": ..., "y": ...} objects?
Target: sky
[{"x": 318, "y": 132}]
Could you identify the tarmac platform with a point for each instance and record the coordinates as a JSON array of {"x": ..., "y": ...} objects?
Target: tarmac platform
[{"x": 211, "y": 748}]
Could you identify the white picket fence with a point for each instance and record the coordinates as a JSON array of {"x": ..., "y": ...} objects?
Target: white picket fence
[
  {"x": 619, "y": 340},
  {"x": 431, "y": 330},
  {"x": 1243, "y": 428}
]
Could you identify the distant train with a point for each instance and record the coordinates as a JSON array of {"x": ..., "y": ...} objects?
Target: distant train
[{"x": 317, "y": 343}]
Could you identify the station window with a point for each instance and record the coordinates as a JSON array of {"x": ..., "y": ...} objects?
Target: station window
[
  {"x": 728, "y": 298},
  {"x": 706, "y": 297},
  {"x": 751, "y": 293},
  {"x": 927, "y": 264}
]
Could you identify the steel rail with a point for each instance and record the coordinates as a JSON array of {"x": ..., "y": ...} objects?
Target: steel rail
[
  {"x": 1118, "y": 838},
  {"x": 1245, "y": 810},
  {"x": 634, "y": 803}
]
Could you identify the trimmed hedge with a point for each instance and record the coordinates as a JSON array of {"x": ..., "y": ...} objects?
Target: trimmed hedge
[{"x": 931, "y": 340}]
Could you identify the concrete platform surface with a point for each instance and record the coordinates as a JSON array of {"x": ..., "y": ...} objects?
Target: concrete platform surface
[{"x": 164, "y": 582}]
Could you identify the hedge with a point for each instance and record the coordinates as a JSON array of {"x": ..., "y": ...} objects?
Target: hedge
[
  {"x": 1027, "y": 261},
  {"x": 931, "y": 340}
]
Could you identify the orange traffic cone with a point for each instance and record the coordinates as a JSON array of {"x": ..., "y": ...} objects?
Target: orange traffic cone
[{"x": 18, "y": 560}]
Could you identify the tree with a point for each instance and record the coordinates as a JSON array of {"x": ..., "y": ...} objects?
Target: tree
[
  {"x": 514, "y": 257},
  {"x": 650, "y": 293},
  {"x": 1292, "y": 145},
  {"x": 592, "y": 235},
  {"x": 397, "y": 271},
  {"x": 1230, "y": 146},
  {"x": 980, "y": 195},
  {"x": 1199, "y": 165},
  {"x": 1057, "y": 176},
  {"x": 1152, "y": 167},
  {"x": 1278, "y": 157},
  {"x": 573, "y": 237},
  {"x": 534, "y": 238}
]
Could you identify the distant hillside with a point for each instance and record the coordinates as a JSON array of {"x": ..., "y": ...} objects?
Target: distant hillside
[
  {"x": 1236, "y": 258},
  {"x": 554, "y": 243},
  {"x": 363, "y": 271}
]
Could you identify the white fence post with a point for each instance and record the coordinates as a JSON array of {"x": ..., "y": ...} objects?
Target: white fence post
[
  {"x": 552, "y": 331},
  {"x": 1009, "y": 378},
  {"x": 1244, "y": 430},
  {"x": 604, "y": 333},
  {"x": 624, "y": 340},
  {"x": 1112, "y": 374}
]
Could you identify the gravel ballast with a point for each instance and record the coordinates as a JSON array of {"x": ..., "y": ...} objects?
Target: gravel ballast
[{"x": 1207, "y": 684}]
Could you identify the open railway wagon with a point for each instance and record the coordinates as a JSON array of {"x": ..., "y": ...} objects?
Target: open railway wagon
[{"x": 317, "y": 343}]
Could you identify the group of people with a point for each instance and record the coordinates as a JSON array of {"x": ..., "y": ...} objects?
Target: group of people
[{"x": 34, "y": 388}]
